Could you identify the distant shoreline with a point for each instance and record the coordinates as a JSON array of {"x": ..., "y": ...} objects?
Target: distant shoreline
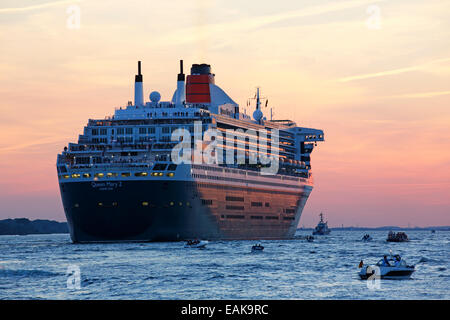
[
  {"x": 24, "y": 226},
  {"x": 385, "y": 228}
]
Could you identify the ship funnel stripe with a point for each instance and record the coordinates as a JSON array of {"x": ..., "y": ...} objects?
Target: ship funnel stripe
[{"x": 197, "y": 88}]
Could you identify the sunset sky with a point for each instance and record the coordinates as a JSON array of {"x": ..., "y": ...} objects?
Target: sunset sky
[{"x": 374, "y": 75}]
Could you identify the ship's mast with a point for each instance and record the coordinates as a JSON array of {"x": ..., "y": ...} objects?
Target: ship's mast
[
  {"x": 258, "y": 101},
  {"x": 257, "y": 114}
]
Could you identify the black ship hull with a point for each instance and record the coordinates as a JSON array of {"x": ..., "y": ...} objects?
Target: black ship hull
[{"x": 113, "y": 211}]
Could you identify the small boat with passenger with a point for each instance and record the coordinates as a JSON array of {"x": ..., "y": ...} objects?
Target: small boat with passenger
[
  {"x": 390, "y": 267},
  {"x": 397, "y": 237},
  {"x": 196, "y": 243},
  {"x": 257, "y": 248}
]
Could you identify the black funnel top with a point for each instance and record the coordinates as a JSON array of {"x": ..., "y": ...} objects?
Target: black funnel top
[
  {"x": 201, "y": 69},
  {"x": 138, "y": 77},
  {"x": 181, "y": 74}
]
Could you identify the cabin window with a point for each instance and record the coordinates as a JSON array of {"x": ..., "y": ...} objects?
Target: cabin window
[
  {"x": 160, "y": 167},
  {"x": 230, "y": 198},
  {"x": 235, "y": 216},
  {"x": 82, "y": 160},
  {"x": 157, "y": 174},
  {"x": 172, "y": 167},
  {"x": 235, "y": 207},
  {"x": 126, "y": 174},
  {"x": 140, "y": 174}
]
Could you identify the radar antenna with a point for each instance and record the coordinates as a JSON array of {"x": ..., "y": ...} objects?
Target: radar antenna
[{"x": 258, "y": 114}]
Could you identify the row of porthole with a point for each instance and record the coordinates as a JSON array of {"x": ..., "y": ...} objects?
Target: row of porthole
[
  {"x": 100, "y": 204},
  {"x": 144, "y": 204},
  {"x": 254, "y": 217},
  {"x": 115, "y": 174},
  {"x": 171, "y": 203},
  {"x": 314, "y": 137}
]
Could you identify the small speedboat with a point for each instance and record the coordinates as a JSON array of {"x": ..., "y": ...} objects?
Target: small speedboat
[
  {"x": 366, "y": 238},
  {"x": 257, "y": 248},
  {"x": 397, "y": 237},
  {"x": 196, "y": 244},
  {"x": 309, "y": 238},
  {"x": 390, "y": 267}
]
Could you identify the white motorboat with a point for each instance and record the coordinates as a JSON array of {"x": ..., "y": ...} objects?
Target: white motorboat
[
  {"x": 196, "y": 244},
  {"x": 390, "y": 267}
]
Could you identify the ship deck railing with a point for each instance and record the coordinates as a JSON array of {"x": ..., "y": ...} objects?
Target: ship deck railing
[
  {"x": 148, "y": 163},
  {"x": 113, "y": 165}
]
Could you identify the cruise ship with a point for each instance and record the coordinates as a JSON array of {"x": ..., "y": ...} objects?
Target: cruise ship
[{"x": 197, "y": 166}]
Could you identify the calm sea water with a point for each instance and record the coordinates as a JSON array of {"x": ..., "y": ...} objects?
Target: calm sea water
[{"x": 39, "y": 266}]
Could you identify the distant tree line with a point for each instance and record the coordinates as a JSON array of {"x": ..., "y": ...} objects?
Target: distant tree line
[{"x": 24, "y": 226}]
